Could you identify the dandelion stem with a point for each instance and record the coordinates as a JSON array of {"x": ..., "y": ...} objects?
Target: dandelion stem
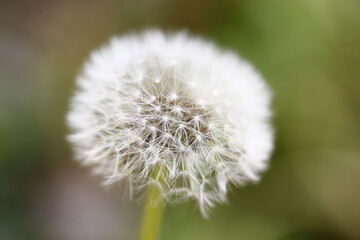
[{"x": 153, "y": 210}]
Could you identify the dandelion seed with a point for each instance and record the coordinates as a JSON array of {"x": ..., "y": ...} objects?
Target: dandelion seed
[{"x": 129, "y": 123}]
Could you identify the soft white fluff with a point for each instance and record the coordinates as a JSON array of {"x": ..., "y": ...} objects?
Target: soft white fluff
[{"x": 173, "y": 111}]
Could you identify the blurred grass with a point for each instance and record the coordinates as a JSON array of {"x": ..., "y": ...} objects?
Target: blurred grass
[{"x": 307, "y": 50}]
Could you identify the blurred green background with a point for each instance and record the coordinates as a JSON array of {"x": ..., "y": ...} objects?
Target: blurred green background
[{"x": 308, "y": 50}]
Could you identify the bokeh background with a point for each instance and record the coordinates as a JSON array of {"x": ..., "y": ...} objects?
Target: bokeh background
[{"x": 308, "y": 50}]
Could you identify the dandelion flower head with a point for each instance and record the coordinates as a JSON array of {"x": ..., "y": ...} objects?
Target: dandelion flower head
[{"x": 172, "y": 111}]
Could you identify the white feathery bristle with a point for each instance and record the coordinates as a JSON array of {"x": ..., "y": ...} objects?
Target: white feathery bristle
[{"x": 173, "y": 111}]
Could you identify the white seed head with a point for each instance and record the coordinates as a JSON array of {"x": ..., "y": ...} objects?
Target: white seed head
[{"x": 173, "y": 111}]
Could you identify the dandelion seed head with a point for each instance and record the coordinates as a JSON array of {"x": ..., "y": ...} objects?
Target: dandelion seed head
[{"x": 175, "y": 105}]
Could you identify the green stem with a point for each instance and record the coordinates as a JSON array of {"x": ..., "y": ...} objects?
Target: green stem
[{"x": 153, "y": 210}]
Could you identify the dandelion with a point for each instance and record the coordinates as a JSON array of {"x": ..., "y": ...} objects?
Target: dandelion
[{"x": 171, "y": 112}]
